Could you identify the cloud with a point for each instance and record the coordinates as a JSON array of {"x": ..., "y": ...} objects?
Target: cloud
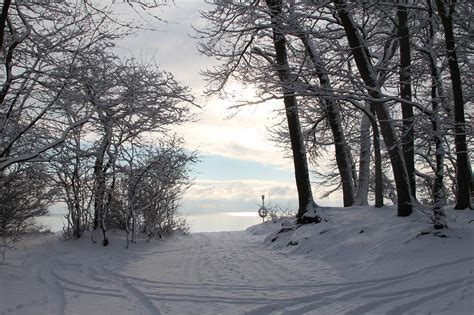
[
  {"x": 170, "y": 42},
  {"x": 244, "y": 195},
  {"x": 243, "y": 190},
  {"x": 244, "y": 136}
]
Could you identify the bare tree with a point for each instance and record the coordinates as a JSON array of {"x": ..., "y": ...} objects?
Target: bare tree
[
  {"x": 408, "y": 137},
  {"x": 128, "y": 100},
  {"x": 3, "y": 20},
  {"x": 307, "y": 207},
  {"x": 71, "y": 165},
  {"x": 360, "y": 53},
  {"x": 438, "y": 100},
  {"x": 24, "y": 195},
  {"x": 41, "y": 44},
  {"x": 330, "y": 106},
  {"x": 155, "y": 178}
]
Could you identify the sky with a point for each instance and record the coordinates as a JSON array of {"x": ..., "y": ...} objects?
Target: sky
[{"x": 238, "y": 162}]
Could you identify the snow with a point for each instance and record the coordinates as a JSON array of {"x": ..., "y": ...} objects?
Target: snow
[{"x": 358, "y": 261}]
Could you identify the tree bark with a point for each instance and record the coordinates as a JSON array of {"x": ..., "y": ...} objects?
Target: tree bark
[
  {"x": 408, "y": 134},
  {"x": 438, "y": 187},
  {"x": 3, "y": 20},
  {"x": 100, "y": 169},
  {"x": 439, "y": 197},
  {"x": 463, "y": 176},
  {"x": 377, "y": 164},
  {"x": 307, "y": 206},
  {"x": 364, "y": 162},
  {"x": 360, "y": 54}
]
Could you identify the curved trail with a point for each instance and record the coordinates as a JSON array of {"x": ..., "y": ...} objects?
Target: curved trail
[{"x": 219, "y": 273}]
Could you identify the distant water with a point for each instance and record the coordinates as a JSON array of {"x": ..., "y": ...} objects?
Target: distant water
[
  {"x": 206, "y": 222},
  {"x": 224, "y": 221}
]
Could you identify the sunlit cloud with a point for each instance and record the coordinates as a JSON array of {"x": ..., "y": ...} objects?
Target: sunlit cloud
[
  {"x": 244, "y": 136},
  {"x": 246, "y": 190}
]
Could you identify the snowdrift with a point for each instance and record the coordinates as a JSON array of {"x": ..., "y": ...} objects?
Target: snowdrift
[{"x": 366, "y": 239}]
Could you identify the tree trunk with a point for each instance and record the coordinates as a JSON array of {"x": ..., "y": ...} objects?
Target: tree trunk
[
  {"x": 436, "y": 97},
  {"x": 367, "y": 121},
  {"x": 377, "y": 164},
  {"x": 100, "y": 169},
  {"x": 463, "y": 177},
  {"x": 408, "y": 135},
  {"x": 99, "y": 188},
  {"x": 99, "y": 197},
  {"x": 3, "y": 20},
  {"x": 75, "y": 183},
  {"x": 364, "y": 162},
  {"x": 307, "y": 206},
  {"x": 360, "y": 54},
  {"x": 438, "y": 187}
]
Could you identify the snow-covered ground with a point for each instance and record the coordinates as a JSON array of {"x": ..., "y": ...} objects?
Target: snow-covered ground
[{"x": 362, "y": 261}]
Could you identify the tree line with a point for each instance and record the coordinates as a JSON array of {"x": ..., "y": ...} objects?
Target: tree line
[
  {"x": 385, "y": 86},
  {"x": 83, "y": 126}
]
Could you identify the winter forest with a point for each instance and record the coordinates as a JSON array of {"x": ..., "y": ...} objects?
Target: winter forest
[{"x": 374, "y": 108}]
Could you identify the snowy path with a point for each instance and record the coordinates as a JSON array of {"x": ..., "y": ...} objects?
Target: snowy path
[{"x": 217, "y": 273}]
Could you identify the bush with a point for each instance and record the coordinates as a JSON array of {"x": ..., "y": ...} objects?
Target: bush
[
  {"x": 277, "y": 212},
  {"x": 24, "y": 196}
]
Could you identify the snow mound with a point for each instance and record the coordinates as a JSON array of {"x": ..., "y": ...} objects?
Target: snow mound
[
  {"x": 358, "y": 239},
  {"x": 269, "y": 227},
  {"x": 409, "y": 267}
]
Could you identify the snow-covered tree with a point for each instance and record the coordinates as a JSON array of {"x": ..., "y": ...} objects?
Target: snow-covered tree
[
  {"x": 126, "y": 101},
  {"x": 330, "y": 106},
  {"x": 364, "y": 64},
  {"x": 152, "y": 180},
  {"x": 67, "y": 99},
  {"x": 307, "y": 206},
  {"x": 24, "y": 195},
  {"x": 41, "y": 43},
  {"x": 447, "y": 11},
  {"x": 408, "y": 135},
  {"x": 362, "y": 71}
]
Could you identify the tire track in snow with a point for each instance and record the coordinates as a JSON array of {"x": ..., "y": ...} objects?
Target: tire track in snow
[
  {"x": 352, "y": 290},
  {"x": 136, "y": 296},
  {"x": 455, "y": 286},
  {"x": 414, "y": 293},
  {"x": 463, "y": 293},
  {"x": 56, "y": 285},
  {"x": 92, "y": 289}
]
